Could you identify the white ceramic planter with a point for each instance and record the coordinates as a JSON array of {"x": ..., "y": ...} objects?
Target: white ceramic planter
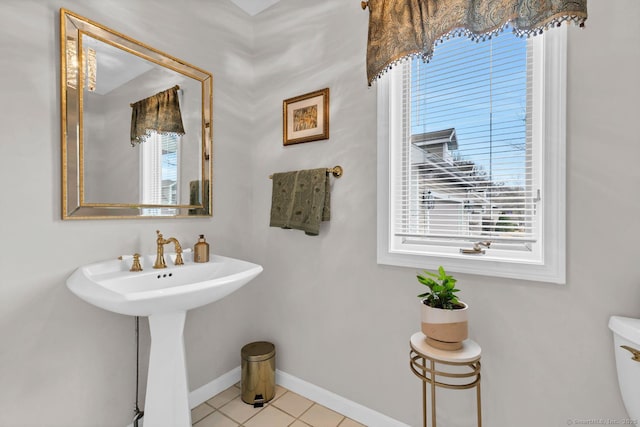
[{"x": 445, "y": 329}]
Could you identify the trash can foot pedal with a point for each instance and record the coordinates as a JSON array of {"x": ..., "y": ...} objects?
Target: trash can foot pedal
[{"x": 258, "y": 401}]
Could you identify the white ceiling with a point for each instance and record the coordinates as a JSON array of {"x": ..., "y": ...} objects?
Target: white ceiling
[{"x": 253, "y": 7}]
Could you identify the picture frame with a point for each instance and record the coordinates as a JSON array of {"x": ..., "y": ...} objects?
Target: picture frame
[{"x": 305, "y": 118}]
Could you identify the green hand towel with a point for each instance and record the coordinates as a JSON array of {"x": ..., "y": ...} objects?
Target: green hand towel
[
  {"x": 301, "y": 200},
  {"x": 194, "y": 197}
]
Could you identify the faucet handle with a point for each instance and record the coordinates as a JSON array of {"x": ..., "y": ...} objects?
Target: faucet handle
[{"x": 136, "y": 263}]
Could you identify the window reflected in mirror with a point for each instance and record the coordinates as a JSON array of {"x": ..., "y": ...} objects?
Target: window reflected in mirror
[{"x": 160, "y": 174}]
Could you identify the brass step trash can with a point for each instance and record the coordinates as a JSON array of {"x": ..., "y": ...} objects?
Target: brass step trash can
[{"x": 258, "y": 380}]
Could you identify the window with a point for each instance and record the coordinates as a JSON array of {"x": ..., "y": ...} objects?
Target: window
[
  {"x": 471, "y": 158},
  {"x": 159, "y": 172}
]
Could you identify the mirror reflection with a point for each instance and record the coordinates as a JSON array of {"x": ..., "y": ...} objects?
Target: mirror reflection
[{"x": 136, "y": 125}]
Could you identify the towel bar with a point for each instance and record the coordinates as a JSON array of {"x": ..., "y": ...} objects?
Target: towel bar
[{"x": 336, "y": 171}]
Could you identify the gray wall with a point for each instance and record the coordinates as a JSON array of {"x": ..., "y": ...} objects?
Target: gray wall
[
  {"x": 343, "y": 322},
  {"x": 339, "y": 320},
  {"x": 63, "y": 362}
]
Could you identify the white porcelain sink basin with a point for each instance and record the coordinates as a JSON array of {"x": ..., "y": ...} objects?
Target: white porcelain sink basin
[
  {"x": 111, "y": 286},
  {"x": 164, "y": 295}
]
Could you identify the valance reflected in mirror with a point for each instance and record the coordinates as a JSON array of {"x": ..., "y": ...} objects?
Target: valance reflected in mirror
[{"x": 136, "y": 127}]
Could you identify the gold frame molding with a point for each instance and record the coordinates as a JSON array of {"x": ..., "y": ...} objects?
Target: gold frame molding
[
  {"x": 316, "y": 106},
  {"x": 72, "y": 27}
]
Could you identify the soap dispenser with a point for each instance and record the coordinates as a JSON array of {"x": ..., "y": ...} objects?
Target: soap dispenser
[{"x": 201, "y": 250}]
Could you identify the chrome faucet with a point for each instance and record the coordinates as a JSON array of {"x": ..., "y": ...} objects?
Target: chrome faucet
[{"x": 160, "y": 263}]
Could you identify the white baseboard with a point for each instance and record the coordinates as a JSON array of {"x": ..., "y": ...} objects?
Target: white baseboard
[
  {"x": 220, "y": 384},
  {"x": 346, "y": 407},
  {"x": 207, "y": 391}
]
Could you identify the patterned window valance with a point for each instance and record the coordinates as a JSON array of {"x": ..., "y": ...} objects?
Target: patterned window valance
[
  {"x": 399, "y": 29},
  {"x": 159, "y": 113}
]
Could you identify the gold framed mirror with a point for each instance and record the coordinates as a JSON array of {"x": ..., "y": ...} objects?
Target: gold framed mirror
[{"x": 136, "y": 127}]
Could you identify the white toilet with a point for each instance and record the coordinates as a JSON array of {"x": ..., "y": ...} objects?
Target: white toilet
[{"x": 626, "y": 332}]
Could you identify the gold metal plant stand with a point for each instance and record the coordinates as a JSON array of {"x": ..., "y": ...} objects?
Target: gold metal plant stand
[{"x": 423, "y": 360}]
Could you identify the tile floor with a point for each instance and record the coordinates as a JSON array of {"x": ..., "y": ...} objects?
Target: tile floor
[{"x": 286, "y": 409}]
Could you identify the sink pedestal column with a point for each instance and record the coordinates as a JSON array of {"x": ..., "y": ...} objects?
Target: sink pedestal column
[{"x": 167, "y": 400}]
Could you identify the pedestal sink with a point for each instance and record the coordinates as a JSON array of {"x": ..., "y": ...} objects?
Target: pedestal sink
[{"x": 163, "y": 295}]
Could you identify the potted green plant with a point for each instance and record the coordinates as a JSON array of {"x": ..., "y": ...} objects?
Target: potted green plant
[{"x": 444, "y": 317}]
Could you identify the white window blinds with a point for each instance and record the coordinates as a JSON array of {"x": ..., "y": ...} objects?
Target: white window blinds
[
  {"x": 467, "y": 152},
  {"x": 160, "y": 169}
]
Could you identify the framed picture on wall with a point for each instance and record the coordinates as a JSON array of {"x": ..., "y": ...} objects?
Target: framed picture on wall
[{"x": 306, "y": 117}]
